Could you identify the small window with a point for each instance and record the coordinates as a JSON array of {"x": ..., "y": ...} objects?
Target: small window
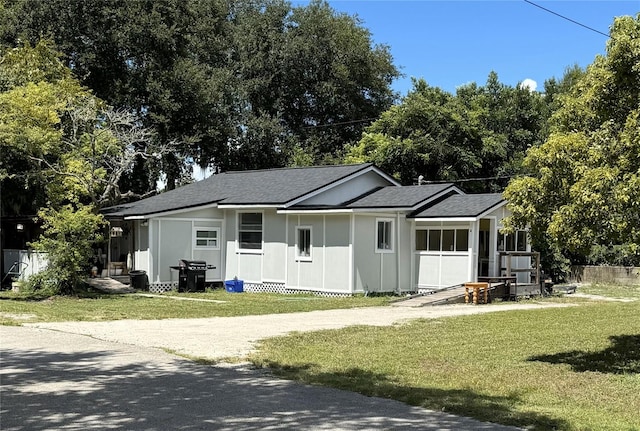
[
  {"x": 303, "y": 243},
  {"x": 421, "y": 239},
  {"x": 206, "y": 237},
  {"x": 462, "y": 239},
  {"x": 250, "y": 231},
  {"x": 448, "y": 237},
  {"x": 510, "y": 242},
  {"x": 521, "y": 240},
  {"x": 384, "y": 235},
  {"x": 434, "y": 240}
]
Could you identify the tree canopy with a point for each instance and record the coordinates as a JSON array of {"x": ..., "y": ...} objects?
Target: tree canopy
[
  {"x": 243, "y": 84},
  {"x": 480, "y": 132},
  {"x": 583, "y": 191}
]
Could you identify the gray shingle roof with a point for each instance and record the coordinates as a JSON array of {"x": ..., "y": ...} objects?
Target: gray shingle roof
[
  {"x": 264, "y": 187},
  {"x": 399, "y": 197},
  {"x": 461, "y": 206}
]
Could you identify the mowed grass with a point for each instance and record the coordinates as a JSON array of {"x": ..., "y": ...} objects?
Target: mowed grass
[
  {"x": 574, "y": 368},
  {"x": 16, "y": 309}
]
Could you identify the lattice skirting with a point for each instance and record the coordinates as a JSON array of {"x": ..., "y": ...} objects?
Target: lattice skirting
[
  {"x": 163, "y": 287},
  {"x": 281, "y": 288}
]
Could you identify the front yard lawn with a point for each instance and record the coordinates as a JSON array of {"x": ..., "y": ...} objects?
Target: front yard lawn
[
  {"x": 15, "y": 308},
  {"x": 575, "y": 368}
]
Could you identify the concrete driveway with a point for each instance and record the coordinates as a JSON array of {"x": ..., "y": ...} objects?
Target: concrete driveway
[{"x": 111, "y": 375}]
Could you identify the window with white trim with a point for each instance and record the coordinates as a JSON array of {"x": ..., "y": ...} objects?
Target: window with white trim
[
  {"x": 206, "y": 237},
  {"x": 303, "y": 243},
  {"x": 250, "y": 230},
  {"x": 384, "y": 235},
  {"x": 442, "y": 239}
]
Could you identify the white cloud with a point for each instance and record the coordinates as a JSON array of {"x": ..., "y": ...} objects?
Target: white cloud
[{"x": 530, "y": 84}]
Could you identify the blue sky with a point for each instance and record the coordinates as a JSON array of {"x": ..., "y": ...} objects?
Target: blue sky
[{"x": 450, "y": 43}]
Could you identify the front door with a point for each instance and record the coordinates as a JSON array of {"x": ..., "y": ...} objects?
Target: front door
[{"x": 484, "y": 248}]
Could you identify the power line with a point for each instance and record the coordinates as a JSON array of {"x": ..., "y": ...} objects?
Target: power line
[
  {"x": 342, "y": 123},
  {"x": 466, "y": 180},
  {"x": 568, "y": 19}
]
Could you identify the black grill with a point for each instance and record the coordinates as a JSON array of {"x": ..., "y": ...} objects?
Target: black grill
[
  {"x": 193, "y": 264},
  {"x": 192, "y": 275}
]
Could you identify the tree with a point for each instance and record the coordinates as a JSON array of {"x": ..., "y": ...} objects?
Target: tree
[
  {"x": 585, "y": 190},
  {"x": 480, "y": 132},
  {"x": 424, "y": 135},
  {"x": 239, "y": 83},
  {"x": 70, "y": 149}
]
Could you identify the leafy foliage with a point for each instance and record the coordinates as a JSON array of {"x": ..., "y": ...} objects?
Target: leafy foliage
[
  {"x": 69, "y": 149},
  {"x": 242, "y": 84},
  {"x": 586, "y": 189},
  {"x": 478, "y": 132},
  {"x": 71, "y": 232}
]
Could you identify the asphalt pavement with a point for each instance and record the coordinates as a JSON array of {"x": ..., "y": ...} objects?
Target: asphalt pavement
[{"x": 55, "y": 379}]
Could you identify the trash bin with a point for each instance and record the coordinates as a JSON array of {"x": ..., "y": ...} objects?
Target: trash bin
[
  {"x": 234, "y": 286},
  {"x": 138, "y": 279},
  {"x": 192, "y": 275}
]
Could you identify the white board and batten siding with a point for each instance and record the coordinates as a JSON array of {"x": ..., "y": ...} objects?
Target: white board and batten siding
[
  {"x": 176, "y": 237},
  {"x": 439, "y": 264},
  {"x": 259, "y": 265},
  {"x": 381, "y": 269}
]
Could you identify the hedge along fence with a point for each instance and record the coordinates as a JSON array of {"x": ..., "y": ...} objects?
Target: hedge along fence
[{"x": 605, "y": 274}]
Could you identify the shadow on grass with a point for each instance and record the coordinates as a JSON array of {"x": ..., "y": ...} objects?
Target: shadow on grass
[
  {"x": 463, "y": 402},
  {"x": 64, "y": 381},
  {"x": 85, "y": 292},
  {"x": 622, "y": 357}
]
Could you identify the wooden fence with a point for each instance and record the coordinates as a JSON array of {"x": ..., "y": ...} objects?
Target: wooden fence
[{"x": 605, "y": 274}]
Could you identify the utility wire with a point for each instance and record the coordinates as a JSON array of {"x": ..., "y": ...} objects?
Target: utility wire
[
  {"x": 568, "y": 19},
  {"x": 342, "y": 123},
  {"x": 466, "y": 180}
]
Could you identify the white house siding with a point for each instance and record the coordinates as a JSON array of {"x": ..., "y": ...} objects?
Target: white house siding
[
  {"x": 348, "y": 190},
  {"x": 374, "y": 271},
  {"x": 141, "y": 250},
  {"x": 444, "y": 268},
  {"x": 166, "y": 240},
  {"x": 337, "y": 252},
  {"x": 306, "y": 273},
  {"x": 257, "y": 266},
  {"x": 405, "y": 279},
  {"x": 274, "y": 247}
]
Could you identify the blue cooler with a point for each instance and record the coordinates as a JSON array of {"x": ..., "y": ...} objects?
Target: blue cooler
[{"x": 234, "y": 286}]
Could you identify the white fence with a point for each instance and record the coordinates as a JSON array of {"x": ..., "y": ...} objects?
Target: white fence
[{"x": 21, "y": 264}]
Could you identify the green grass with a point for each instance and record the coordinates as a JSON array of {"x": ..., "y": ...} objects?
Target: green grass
[
  {"x": 575, "y": 368},
  {"x": 91, "y": 306},
  {"x": 612, "y": 290}
]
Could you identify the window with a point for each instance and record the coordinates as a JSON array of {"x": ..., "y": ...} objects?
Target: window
[
  {"x": 250, "y": 231},
  {"x": 521, "y": 240},
  {"x": 434, "y": 240},
  {"x": 421, "y": 239},
  {"x": 448, "y": 237},
  {"x": 206, "y": 237},
  {"x": 303, "y": 243},
  {"x": 513, "y": 242},
  {"x": 384, "y": 235},
  {"x": 442, "y": 240},
  {"x": 462, "y": 239}
]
